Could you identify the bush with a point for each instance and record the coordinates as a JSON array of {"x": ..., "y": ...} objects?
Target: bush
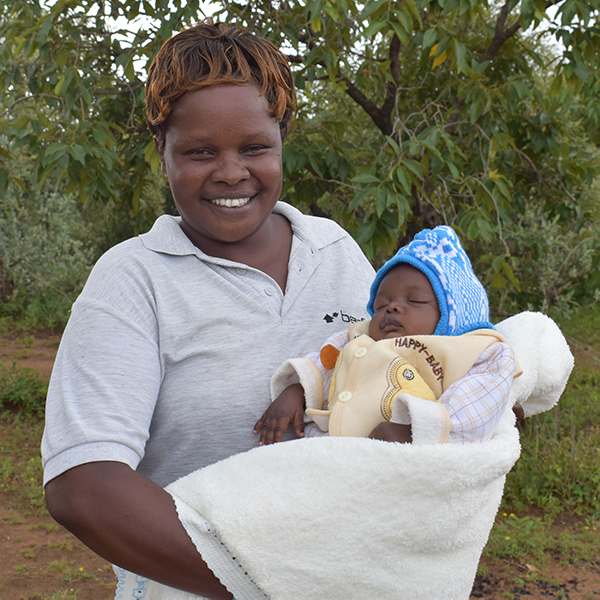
[
  {"x": 45, "y": 259},
  {"x": 552, "y": 265},
  {"x": 22, "y": 390}
]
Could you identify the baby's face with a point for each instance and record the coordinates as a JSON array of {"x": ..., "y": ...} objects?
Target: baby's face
[{"x": 405, "y": 305}]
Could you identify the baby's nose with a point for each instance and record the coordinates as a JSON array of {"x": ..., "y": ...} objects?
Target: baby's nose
[{"x": 395, "y": 307}]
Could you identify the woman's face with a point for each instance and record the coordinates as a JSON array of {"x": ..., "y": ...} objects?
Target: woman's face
[{"x": 222, "y": 158}]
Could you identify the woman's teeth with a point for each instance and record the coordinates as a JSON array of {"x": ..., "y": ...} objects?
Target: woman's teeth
[{"x": 229, "y": 202}]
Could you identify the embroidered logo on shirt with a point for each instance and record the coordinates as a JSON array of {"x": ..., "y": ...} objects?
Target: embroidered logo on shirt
[{"x": 330, "y": 318}]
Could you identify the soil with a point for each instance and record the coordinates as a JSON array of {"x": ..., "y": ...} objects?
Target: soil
[{"x": 39, "y": 558}]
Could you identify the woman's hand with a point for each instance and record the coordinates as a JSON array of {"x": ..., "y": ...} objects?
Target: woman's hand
[
  {"x": 392, "y": 432},
  {"x": 287, "y": 408},
  {"x": 132, "y": 522},
  {"x": 519, "y": 412}
]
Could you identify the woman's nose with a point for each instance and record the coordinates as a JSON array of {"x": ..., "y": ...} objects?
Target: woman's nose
[{"x": 230, "y": 169}]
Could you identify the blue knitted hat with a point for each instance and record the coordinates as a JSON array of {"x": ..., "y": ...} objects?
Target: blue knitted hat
[{"x": 461, "y": 298}]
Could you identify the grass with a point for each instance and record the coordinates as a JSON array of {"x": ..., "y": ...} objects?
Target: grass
[
  {"x": 68, "y": 572},
  {"x": 558, "y": 469},
  {"x": 531, "y": 539},
  {"x": 557, "y": 473},
  {"x": 21, "y": 472}
]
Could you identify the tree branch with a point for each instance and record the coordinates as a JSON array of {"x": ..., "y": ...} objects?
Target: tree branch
[
  {"x": 501, "y": 34},
  {"x": 379, "y": 117},
  {"x": 23, "y": 98}
]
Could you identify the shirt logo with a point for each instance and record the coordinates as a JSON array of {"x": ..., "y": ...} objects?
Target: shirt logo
[{"x": 330, "y": 318}]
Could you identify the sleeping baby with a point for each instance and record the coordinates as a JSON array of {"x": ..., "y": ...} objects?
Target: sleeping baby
[{"x": 428, "y": 366}]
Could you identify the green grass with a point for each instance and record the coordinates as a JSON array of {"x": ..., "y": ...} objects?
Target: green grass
[
  {"x": 21, "y": 470},
  {"x": 558, "y": 469},
  {"x": 558, "y": 472}
]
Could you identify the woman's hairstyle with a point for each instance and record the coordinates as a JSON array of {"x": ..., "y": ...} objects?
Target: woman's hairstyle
[{"x": 211, "y": 54}]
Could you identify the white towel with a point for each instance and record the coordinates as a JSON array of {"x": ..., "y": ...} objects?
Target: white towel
[{"x": 358, "y": 518}]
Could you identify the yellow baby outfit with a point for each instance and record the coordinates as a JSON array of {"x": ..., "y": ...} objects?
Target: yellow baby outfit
[{"x": 370, "y": 375}]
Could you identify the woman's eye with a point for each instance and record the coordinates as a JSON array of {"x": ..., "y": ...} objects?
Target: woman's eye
[
  {"x": 200, "y": 153},
  {"x": 254, "y": 150}
]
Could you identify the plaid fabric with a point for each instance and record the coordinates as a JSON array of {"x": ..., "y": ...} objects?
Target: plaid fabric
[{"x": 476, "y": 402}]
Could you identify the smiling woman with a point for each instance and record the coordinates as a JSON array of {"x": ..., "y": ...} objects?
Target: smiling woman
[{"x": 166, "y": 360}]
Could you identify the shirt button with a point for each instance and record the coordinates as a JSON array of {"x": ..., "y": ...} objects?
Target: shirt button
[
  {"x": 269, "y": 291},
  {"x": 344, "y": 396},
  {"x": 360, "y": 353},
  {"x": 240, "y": 271}
]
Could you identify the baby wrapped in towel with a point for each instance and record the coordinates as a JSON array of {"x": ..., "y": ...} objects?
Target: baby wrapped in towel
[{"x": 428, "y": 367}]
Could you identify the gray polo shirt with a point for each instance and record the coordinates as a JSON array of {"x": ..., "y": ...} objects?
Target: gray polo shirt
[{"x": 166, "y": 359}]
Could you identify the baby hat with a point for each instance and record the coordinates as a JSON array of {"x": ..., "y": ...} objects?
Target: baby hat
[{"x": 437, "y": 253}]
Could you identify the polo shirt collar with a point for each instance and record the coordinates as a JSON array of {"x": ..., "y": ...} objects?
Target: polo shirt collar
[{"x": 167, "y": 237}]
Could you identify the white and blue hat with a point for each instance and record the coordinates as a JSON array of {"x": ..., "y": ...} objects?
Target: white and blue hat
[{"x": 462, "y": 300}]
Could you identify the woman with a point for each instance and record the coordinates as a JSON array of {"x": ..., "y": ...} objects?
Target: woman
[{"x": 167, "y": 357}]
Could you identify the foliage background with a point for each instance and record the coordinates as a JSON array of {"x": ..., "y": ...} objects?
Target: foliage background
[{"x": 479, "y": 114}]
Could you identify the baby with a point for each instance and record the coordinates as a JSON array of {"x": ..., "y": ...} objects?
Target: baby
[{"x": 428, "y": 367}]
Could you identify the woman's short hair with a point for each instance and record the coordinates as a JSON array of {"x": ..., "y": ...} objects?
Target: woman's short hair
[{"x": 212, "y": 54}]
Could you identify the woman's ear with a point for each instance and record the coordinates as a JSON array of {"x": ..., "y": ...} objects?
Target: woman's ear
[{"x": 160, "y": 149}]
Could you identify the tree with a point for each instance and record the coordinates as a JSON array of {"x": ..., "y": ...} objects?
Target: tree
[{"x": 413, "y": 113}]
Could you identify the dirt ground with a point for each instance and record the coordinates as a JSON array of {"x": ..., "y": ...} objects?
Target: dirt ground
[{"x": 39, "y": 559}]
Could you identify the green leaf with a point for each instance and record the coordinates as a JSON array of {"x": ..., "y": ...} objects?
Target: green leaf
[
  {"x": 374, "y": 28},
  {"x": 58, "y": 87},
  {"x": 508, "y": 271},
  {"x": 3, "y": 182},
  {"x": 56, "y": 148},
  {"x": 399, "y": 31},
  {"x": 366, "y": 178},
  {"x": 394, "y": 145},
  {"x": 62, "y": 56},
  {"x": 460, "y": 51},
  {"x": 367, "y": 192},
  {"x": 522, "y": 89},
  {"x": 403, "y": 178},
  {"x": 371, "y": 7},
  {"x": 414, "y": 166},
  {"x": 499, "y": 282},
  {"x": 78, "y": 153},
  {"x": 381, "y": 197},
  {"x": 44, "y": 30},
  {"x": 429, "y": 37},
  {"x": 475, "y": 111}
]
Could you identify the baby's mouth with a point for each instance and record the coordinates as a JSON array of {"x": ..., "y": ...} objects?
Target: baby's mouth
[
  {"x": 231, "y": 202},
  {"x": 388, "y": 326}
]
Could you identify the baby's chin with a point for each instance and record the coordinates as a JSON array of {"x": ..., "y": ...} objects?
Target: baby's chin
[{"x": 388, "y": 335}]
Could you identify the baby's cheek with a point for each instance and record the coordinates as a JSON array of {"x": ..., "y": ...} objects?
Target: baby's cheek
[{"x": 374, "y": 330}]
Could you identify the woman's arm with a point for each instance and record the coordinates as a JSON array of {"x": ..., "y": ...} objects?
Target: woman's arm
[{"x": 132, "y": 522}]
